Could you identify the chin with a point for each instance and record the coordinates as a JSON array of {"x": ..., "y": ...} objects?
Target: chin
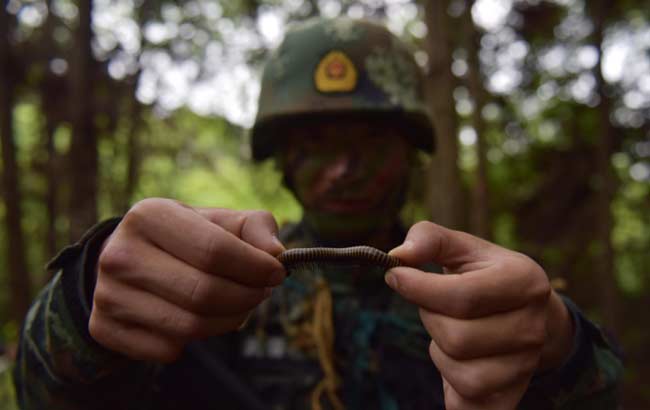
[{"x": 353, "y": 227}]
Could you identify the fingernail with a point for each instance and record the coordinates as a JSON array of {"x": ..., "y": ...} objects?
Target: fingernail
[{"x": 391, "y": 280}]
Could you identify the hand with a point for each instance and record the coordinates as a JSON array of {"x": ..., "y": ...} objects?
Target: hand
[
  {"x": 493, "y": 318},
  {"x": 171, "y": 273}
]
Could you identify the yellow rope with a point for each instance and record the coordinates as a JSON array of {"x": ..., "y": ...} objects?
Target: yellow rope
[
  {"x": 317, "y": 336},
  {"x": 323, "y": 337}
]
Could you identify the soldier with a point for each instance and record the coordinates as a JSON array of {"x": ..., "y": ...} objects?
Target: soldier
[{"x": 150, "y": 310}]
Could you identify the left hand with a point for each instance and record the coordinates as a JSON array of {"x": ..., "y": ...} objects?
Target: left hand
[{"x": 493, "y": 318}]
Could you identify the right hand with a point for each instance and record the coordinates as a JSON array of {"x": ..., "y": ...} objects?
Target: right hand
[{"x": 170, "y": 274}]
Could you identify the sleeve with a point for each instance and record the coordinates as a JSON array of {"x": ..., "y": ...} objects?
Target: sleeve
[
  {"x": 59, "y": 365},
  {"x": 590, "y": 378}
]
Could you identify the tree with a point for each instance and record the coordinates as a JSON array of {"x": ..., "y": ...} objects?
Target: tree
[
  {"x": 481, "y": 204},
  {"x": 607, "y": 185},
  {"x": 446, "y": 202},
  {"x": 83, "y": 157},
  {"x": 19, "y": 280}
]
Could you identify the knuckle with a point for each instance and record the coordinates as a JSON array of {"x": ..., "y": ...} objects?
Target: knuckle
[
  {"x": 432, "y": 352},
  {"x": 191, "y": 327},
  {"x": 454, "y": 344},
  {"x": 200, "y": 297},
  {"x": 239, "y": 222},
  {"x": 105, "y": 333},
  {"x": 115, "y": 258},
  {"x": 149, "y": 204},
  {"x": 453, "y": 402},
  {"x": 472, "y": 385},
  {"x": 97, "y": 329},
  {"x": 212, "y": 251},
  {"x": 422, "y": 225},
  {"x": 536, "y": 332},
  {"x": 533, "y": 281},
  {"x": 262, "y": 215},
  {"x": 541, "y": 291},
  {"x": 256, "y": 222},
  {"x": 539, "y": 287},
  {"x": 103, "y": 299},
  {"x": 142, "y": 210},
  {"x": 138, "y": 212}
]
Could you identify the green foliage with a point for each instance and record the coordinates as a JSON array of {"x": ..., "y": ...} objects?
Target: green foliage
[
  {"x": 631, "y": 234},
  {"x": 204, "y": 162},
  {"x": 7, "y": 391}
]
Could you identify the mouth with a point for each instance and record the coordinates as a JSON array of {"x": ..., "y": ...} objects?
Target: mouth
[{"x": 351, "y": 199}]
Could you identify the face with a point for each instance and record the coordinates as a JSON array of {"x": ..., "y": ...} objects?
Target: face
[{"x": 350, "y": 176}]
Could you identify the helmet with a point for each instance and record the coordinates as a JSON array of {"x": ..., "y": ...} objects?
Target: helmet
[{"x": 340, "y": 67}]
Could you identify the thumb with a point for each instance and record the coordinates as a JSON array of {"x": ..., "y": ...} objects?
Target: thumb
[
  {"x": 257, "y": 228},
  {"x": 427, "y": 242}
]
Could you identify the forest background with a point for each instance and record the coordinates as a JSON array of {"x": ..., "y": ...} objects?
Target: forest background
[{"x": 542, "y": 111}]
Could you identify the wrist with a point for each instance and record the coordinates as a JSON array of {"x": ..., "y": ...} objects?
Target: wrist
[{"x": 560, "y": 331}]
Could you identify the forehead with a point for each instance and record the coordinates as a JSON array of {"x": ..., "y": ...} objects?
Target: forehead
[{"x": 327, "y": 129}]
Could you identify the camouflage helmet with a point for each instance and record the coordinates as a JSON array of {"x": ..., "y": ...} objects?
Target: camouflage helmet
[{"x": 340, "y": 67}]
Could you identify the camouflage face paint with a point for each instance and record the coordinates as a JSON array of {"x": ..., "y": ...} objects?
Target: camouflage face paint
[{"x": 350, "y": 177}]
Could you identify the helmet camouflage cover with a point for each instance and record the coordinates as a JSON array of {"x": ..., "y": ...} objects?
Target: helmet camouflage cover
[{"x": 337, "y": 67}]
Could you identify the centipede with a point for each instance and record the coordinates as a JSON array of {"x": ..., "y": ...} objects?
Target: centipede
[{"x": 355, "y": 255}]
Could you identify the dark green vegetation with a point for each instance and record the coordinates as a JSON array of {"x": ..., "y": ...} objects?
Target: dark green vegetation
[{"x": 545, "y": 148}]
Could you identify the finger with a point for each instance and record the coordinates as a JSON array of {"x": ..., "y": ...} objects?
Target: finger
[
  {"x": 257, "y": 228},
  {"x": 498, "y": 334},
  {"x": 427, "y": 242},
  {"x": 132, "y": 341},
  {"x": 454, "y": 401},
  {"x": 184, "y": 233},
  {"x": 482, "y": 377},
  {"x": 504, "y": 286},
  {"x": 177, "y": 282},
  {"x": 131, "y": 305},
  {"x": 506, "y": 400}
]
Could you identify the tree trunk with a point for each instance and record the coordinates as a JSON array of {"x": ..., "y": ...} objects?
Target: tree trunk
[
  {"x": 51, "y": 196},
  {"x": 52, "y": 172},
  {"x": 610, "y": 302},
  {"x": 446, "y": 194},
  {"x": 19, "y": 281},
  {"x": 134, "y": 155},
  {"x": 83, "y": 151},
  {"x": 480, "y": 208}
]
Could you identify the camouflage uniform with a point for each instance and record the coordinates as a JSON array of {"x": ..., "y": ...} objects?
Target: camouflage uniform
[
  {"x": 380, "y": 346},
  {"x": 380, "y": 355}
]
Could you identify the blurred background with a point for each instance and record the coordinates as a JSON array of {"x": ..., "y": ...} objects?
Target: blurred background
[{"x": 542, "y": 109}]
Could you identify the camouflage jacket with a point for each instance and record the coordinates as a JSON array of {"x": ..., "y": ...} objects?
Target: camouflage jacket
[{"x": 379, "y": 358}]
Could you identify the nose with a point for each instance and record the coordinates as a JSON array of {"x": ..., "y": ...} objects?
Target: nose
[{"x": 341, "y": 166}]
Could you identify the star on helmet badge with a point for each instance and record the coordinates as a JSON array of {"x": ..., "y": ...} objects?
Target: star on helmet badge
[{"x": 335, "y": 73}]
